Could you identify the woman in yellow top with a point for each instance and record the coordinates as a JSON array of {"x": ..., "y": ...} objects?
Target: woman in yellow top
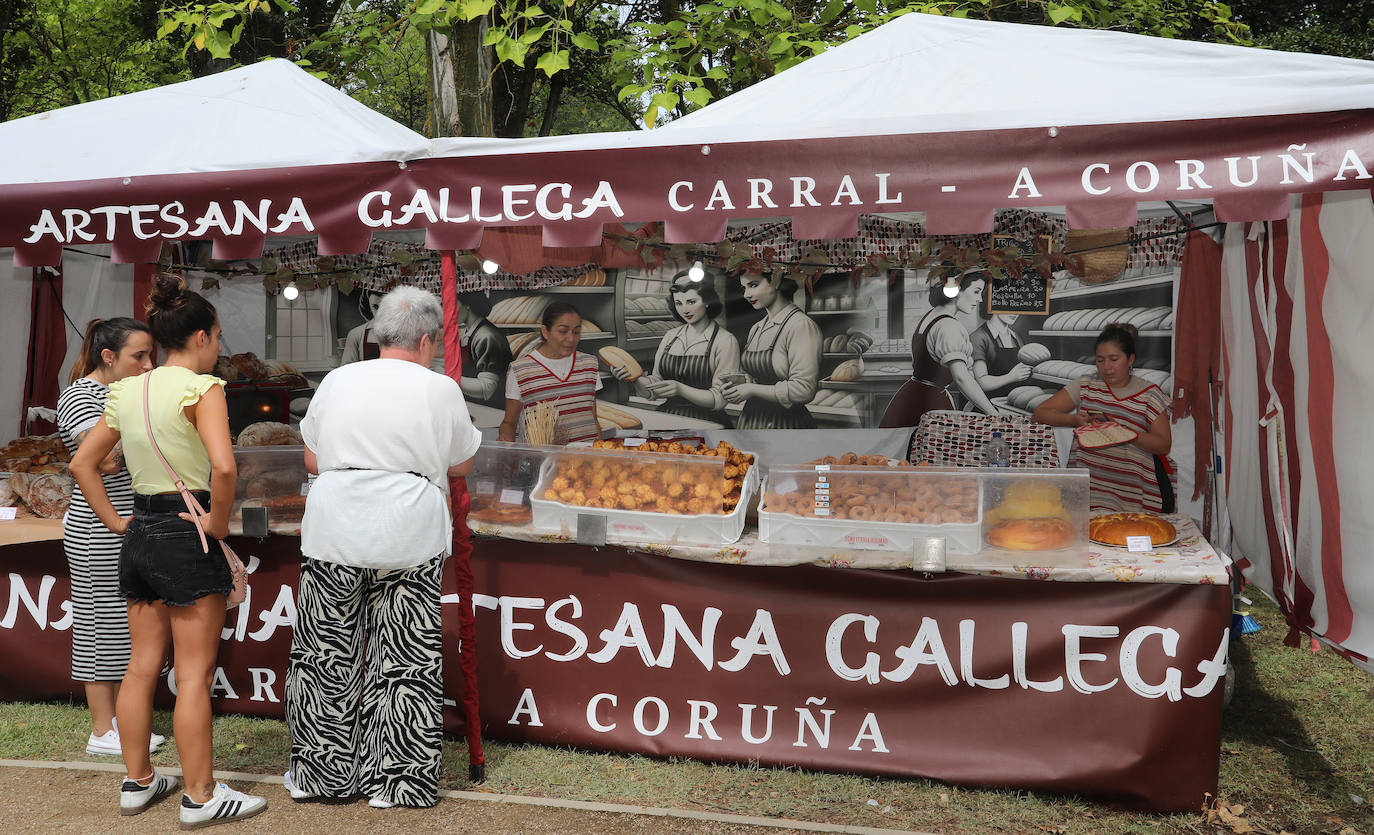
[{"x": 174, "y": 589}]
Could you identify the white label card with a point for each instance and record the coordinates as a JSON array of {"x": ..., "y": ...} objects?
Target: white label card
[
  {"x": 1139, "y": 544},
  {"x": 635, "y": 441},
  {"x": 8, "y": 513},
  {"x": 510, "y": 496},
  {"x": 484, "y": 487}
]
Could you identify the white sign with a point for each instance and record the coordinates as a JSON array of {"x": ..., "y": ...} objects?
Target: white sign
[
  {"x": 8, "y": 513},
  {"x": 635, "y": 441},
  {"x": 1139, "y": 544},
  {"x": 511, "y": 496}
]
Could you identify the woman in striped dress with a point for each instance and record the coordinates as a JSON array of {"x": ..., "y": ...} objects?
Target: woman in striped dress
[
  {"x": 1130, "y": 476},
  {"x": 555, "y": 372},
  {"x": 112, "y": 350}
]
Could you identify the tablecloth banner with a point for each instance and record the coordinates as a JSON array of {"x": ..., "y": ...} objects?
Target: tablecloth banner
[{"x": 1101, "y": 689}]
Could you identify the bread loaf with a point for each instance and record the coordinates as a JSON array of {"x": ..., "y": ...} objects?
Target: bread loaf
[
  {"x": 1113, "y": 528},
  {"x": 249, "y": 366},
  {"x": 1032, "y": 353},
  {"x": 269, "y": 433},
  {"x": 622, "y": 420},
  {"x": 1048, "y": 534},
  {"x": 848, "y": 371},
  {"x": 620, "y": 358},
  {"x": 225, "y": 370}
]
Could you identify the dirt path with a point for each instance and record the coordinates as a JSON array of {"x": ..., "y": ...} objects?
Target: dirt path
[{"x": 77, "y": 800}]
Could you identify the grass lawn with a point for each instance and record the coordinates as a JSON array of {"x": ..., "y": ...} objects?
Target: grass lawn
[{"x": 1297, "y": 756}]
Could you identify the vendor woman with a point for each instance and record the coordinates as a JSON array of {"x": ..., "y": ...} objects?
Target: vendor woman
[
  {"x": 782, "y": 358},
  {"x": 557, "y": 373},
  {"x": 1129, "y": 476},
  {"x": 693, "y": 356}
]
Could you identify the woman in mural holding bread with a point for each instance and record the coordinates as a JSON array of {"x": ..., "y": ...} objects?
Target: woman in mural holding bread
[
  {"x": 558, "y": 374},
  {"x": 1128, "y": 451},
  {"x": 997, "y": 362},
  {"x": 692, "y": 357},
  {"x": 941, "y": 356},
  {"x": 782, "y": 359}
]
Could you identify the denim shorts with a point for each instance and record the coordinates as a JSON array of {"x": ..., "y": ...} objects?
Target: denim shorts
[{"x": 161, "y": 559}]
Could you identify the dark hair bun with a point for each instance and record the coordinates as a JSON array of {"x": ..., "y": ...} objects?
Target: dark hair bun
[{"x": 167, "y": 291}]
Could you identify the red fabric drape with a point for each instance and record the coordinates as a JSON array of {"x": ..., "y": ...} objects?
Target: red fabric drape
[
  {"x": 47, "y": 349},
  {"x": 1197, "y": 345},
  {"x": 461, "y": 564},
  {"x": 521, "y": 250}
]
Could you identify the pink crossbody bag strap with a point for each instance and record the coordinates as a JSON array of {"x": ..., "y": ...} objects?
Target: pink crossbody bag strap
[{"x": 192, "y": 506}]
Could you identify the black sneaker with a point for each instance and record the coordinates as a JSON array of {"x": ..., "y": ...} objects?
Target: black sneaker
[
  {"x": 134, "y": 797},
  {"x": 224, "y": 805}
]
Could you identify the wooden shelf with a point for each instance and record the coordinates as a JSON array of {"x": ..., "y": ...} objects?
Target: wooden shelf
[
  {"x": 643, "y": 341},
  {"x": 576, "y": 291},
  {"x": 1154, "y": 334},
  {"x": 645, "y": 317},
  {"x": 1138, "y": 283}
]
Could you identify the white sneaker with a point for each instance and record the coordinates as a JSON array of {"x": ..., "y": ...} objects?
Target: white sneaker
[
  {"x": 154, "y": 742},
  {"x": 380, "y": 803},
  {"x": 224, "y": 805},
  {"x": 107, "y": 744},
  {"x": 296, "y": 792},
  {"x": 135, "y": 797}
]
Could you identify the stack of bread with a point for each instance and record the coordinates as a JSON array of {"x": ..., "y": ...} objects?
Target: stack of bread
[
  {"x": 1030, "y": 517},
  {"x": 1094, "y": 319},
  {"x": 519, "y": 310},
  {"x": 832, "y": 399},
  {"x": 611, "y": 417},
  {"x": 647, "y": 306},
  {"x": 650, "y": 485},
  {"x": 38, "y": 454},
  {"x": 37, "y": 477},
  {"x": 882, "y": 495},
  {"x": 591, "y": 278}
]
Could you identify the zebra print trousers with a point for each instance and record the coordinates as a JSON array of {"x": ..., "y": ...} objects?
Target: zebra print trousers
[{"x": 364, "y": 689}]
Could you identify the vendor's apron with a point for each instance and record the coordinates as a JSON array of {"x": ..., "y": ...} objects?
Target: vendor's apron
[
  {"x": 926, "y": 391},
  {"x": 371, "y": 350},
  {"x": 694, "y": 372},
  {"x": 765, "y": 414},
  {"x": 1002, "y": 362}
]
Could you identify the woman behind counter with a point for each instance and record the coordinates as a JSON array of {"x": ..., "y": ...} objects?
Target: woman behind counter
[
  {"x": 693, "y": 356},
  {"x": 555, "y": 372},
  {"x": 941, "y": 357},
  {"x": 1128, "y": 476},
  {"x": 782, "y": 358},
  {"x": 112, "y": 350}
]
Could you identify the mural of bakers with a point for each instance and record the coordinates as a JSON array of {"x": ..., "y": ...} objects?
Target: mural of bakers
[{"x": 687, "y": 347}]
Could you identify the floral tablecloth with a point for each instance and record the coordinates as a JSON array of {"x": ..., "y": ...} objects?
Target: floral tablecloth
[{"x": 1191, "y": 560}]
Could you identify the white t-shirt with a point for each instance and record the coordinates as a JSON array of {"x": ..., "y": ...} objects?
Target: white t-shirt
[
  {"x": 560, "y": 368},
  {"x": 384, "y": 433}
]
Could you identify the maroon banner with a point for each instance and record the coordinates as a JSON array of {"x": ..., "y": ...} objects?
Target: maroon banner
[
  {"x": 1109, "y": 690},
  {"x": 1247, "y": 166}
]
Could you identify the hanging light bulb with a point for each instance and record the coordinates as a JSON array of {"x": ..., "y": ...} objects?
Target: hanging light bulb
[
  {"x": 290, "y": 292},
  {"x": 697, "y": 272},
  {"x": 490, "y": 267},
  {"x": 951, "y": 288}
]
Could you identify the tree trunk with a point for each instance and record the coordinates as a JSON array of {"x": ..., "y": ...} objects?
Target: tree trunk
[
  {"x": 551, "y": 106},
  {"x": 460, "y": 81}
]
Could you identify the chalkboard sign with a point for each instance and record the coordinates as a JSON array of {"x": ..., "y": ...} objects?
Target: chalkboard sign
[{"x": 1031, "y": 292}]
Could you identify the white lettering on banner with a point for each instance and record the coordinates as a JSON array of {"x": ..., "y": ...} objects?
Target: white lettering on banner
[
  {"x": 746, "y": 726},
  {"x": 1351, "y": 162},
  {"x": 137, "y": 220},
  {"x": 703, "y": 714},
  {"x": 592, "y": 721},
  {"x": 419, "y": 204},
  {"x": 1132, "y": 178},
  {"x": 562, "y": 627},
  {"x": 214, "y": 216},
  {"x": 38, "y": 609},
  {"x": 511, "y": 201},
  {"x": 1074, "y": 657},
  {"x": 882, "y": 190},
  {"x": 1024, "y": 181},
  {"x": 1235, "y": 172},
  {"x": 295, "y": 213},
  {"x": 761, "y": 640},
  {"x": 672, "y": 196},
  {"x": 760, "y": 194},
  {"x": 719, "y": 194},
  {"x": 926, "y": 648},
  {"x": 966, "y": 629},
  {"x": 806, "y": 720},
  {"x": 834, "y": 637},
  {"x": 78, "y": 230},
  {"x": 282, "y": 613},
  {"x": 541, "y": 202},
  {"x": 628, "y": 632},
  {"x": 168, "y": 221},
  {"x": 1190, "y": 174},
  {"x": 662, "y": 708},
  {"x": 847, "y": 190},
  {"x": 509, "y": 626},
  {"x": 526, "y": 706},
  {"x": 1291, "y": 166},
  {"x": 1212, "y": 669},
  {"x": 801, "y": 192},
  {"x": 1088, "y": 174},
  {"x": 1130, "y": 650},
  {"x": 1018, "y": 664},
  {"x": 263, "y": 679},
  {"x": 870, "y": 731}
]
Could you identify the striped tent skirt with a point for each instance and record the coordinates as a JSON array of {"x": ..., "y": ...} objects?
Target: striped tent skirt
[{"x": 100, "y": 620}]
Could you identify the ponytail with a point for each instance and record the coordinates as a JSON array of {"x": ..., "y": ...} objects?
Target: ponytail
[{"x": 102, "y": 335}]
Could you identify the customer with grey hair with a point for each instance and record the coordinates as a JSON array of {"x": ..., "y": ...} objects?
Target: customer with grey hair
[{"x": 364, "y": 689}]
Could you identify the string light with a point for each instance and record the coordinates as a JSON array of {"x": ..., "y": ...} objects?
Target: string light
[
  {"x": 951, "y": 288},
  {"x": 490, "y": 267},
  {"x": 697, "y": 272},
  {"x": 290, "y": 292}
]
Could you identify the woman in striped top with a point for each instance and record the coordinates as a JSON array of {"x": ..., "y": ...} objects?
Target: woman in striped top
[
  {"x": 1134, "y": 475},
  {"x": 555, "y": 372},
  {"x": 112, "y": 350}
]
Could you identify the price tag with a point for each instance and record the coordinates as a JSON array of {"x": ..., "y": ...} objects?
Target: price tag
[
  {"x": 484, "y": 487},
  {"x": 1139, "y": 544},
  {"x": 822, "y": 468},
  {"x": 510, "y": 496},
  {"x": 8, "y": 513},
  {"x": 633, "y": 442},
  {"x": 307, "y": 484}
]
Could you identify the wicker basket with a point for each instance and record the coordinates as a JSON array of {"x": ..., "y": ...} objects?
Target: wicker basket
[{"x": 1104, "y": 253}]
